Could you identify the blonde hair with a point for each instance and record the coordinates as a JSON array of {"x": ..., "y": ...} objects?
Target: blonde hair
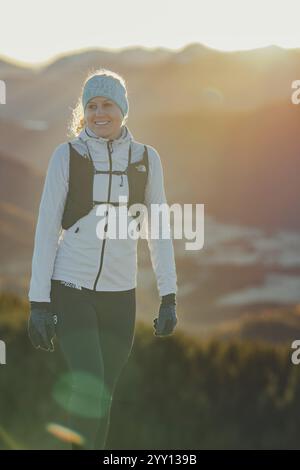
[{"x": 77, "y": 122}]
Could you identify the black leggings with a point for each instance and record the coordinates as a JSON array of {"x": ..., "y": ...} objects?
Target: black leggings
[{"x": 95, "y": 331}]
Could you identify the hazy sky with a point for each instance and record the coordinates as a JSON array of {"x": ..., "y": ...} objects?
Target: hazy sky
[{"x": 37, "y": 30}]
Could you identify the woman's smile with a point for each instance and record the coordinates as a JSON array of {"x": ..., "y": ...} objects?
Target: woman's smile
[{"x": 102, "y": 123}]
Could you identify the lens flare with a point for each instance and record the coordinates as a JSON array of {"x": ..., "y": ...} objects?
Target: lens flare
[
  {"x": 81, "y": 394},
  {"x": 65, "y": 434}
]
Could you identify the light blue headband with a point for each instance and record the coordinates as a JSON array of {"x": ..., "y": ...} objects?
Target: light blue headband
[{"x": 107, "y": 86}]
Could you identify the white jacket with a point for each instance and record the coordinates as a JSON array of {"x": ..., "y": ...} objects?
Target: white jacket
[{"x": 78, "y": 257}]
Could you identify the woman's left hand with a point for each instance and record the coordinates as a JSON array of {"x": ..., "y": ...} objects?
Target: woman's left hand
[{"x": 166, "y": 321}]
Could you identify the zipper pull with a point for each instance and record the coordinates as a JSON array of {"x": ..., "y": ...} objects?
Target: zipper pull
[{"x": 121, "y": 181}]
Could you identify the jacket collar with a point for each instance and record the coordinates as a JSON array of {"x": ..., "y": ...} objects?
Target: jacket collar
[{"x": 88, "y": 135}]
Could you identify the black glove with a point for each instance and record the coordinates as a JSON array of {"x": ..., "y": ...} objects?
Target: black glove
[
  {"x": 167, "y": 319},
  {"x": 41, "y": 325}
]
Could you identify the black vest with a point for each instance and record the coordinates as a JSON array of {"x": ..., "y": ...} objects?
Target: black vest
[{"x": 80, "y": 201}]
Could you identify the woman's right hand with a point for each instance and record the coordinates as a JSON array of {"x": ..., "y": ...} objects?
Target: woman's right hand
[{"x": 41, "y": 325}]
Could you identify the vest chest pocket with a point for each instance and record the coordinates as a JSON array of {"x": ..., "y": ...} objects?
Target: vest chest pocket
[
  {"x": 75, "y": 228},
  {"x": 79, "y": 199},
  {"x": 79, "y": 228},
  {"x": 137, "y": 174},
  {"x": 74, "y": 211}
]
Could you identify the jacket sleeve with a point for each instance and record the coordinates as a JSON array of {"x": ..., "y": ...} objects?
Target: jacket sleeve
[
  {"x": 48, "y": 227},
  {"x": 161, "y": 249}
]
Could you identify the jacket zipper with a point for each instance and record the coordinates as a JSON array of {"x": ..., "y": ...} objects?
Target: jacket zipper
[{"x": 106, "y": 220}]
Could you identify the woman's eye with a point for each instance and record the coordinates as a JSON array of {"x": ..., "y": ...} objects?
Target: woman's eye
[{"x": 93, "y": 106}]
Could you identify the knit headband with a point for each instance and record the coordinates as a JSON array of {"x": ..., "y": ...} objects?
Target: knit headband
[{"x": 108, "y": 87}]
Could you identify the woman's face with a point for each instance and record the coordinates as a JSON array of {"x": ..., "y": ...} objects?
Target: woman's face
[{"x": 99, "y": 110}]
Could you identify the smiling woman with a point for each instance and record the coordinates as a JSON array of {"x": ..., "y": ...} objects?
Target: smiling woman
[
  {"x": 83, "y": 287},
  {"x": 102, "y": 115}
]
